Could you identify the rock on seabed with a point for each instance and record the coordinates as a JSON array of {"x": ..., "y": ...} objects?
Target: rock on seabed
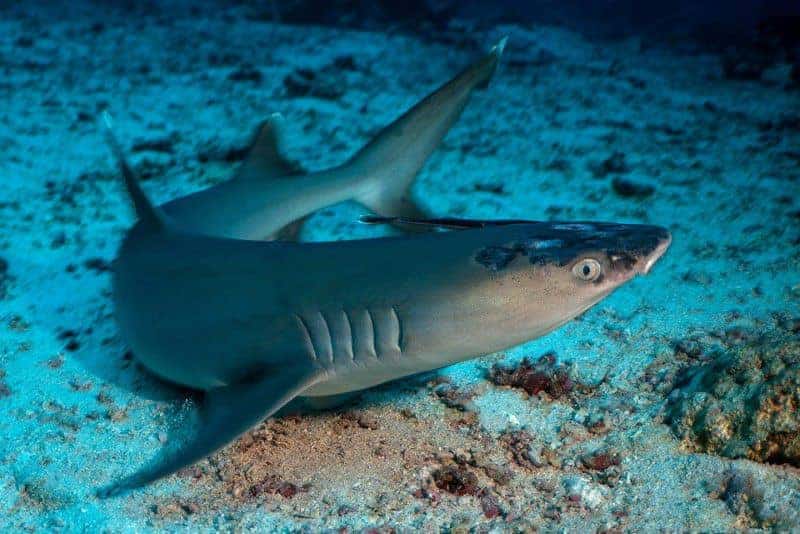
[{"x": 744, "y": 402}]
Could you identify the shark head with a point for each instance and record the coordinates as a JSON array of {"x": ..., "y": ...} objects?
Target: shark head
[
  {"x": 598, "y": 255},
  {"x": 560, "y": 269}
]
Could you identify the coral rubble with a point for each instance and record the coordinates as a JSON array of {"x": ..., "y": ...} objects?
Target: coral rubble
[{"x": 743, "y": 401}]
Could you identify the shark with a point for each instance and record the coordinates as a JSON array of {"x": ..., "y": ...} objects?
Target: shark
[{"x": 254, "y": 323}]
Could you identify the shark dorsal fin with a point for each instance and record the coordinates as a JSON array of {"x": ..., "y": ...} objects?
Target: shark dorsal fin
[
  {"x": 442, "y": 222},
  {"x": 149, "y": 215},
  {"x": 264, "y": 160},
  {"x": 394, "y": 157}
]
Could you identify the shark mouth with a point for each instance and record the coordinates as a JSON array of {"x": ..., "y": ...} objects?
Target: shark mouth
[{"x": 644, "y": 265}]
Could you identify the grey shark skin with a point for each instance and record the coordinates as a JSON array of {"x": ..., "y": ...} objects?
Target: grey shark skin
[{"x": 379, "y": 175}]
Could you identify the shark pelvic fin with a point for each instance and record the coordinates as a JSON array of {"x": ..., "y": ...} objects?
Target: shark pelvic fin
[
  {"x": 393, "y": 158},
  {"x": 227, "y": 413},
  {"x": 150, "y": 216},
  {"x": 265, "y": 160}
]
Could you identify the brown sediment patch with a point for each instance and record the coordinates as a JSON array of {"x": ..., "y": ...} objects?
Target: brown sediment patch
[
  {"x": 603, "y": 465},
  {"x": 456, "y": 479},
  {"x": 374, "y": 457}
]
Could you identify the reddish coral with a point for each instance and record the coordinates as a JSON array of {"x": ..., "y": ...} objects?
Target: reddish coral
[
  {"x": 274, "y": 486},
  {"x": 543, "y": 376},
  {"x": 456, "y": 479},
  {"x": 490, "y": 505},
  {"x": 600, "y": 461}
]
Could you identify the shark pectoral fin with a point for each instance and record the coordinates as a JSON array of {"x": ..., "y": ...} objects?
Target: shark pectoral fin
[
  {"x": 227, "y": 412},
  {"x": 393, "y": 158},
  {"x": 290, "y": 232},
  {"x": 265, "y": 160}
]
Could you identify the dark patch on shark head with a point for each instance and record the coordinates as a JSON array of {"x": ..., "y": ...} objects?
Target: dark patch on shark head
[
  {"x": 496, "y": 258},
  {"x": 561, "y": 243}
]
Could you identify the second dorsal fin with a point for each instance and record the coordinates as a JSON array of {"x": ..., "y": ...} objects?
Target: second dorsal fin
[{"x": 264, "y": 159}]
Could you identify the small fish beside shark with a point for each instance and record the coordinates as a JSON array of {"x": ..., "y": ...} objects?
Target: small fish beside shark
[{"x": 206, "y": 302}]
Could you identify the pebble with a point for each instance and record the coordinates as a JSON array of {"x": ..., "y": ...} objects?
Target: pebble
[
  {"x": 367, "y": 420},
  {"x": 629, "y": 189}
]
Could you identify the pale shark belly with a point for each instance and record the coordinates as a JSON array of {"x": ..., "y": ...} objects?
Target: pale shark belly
[{"x": 356, "y": 378}]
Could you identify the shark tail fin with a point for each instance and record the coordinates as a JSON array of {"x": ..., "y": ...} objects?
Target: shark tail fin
[
  {"x": 150, "y": 216},
  {"x": 389, "y": 163}
]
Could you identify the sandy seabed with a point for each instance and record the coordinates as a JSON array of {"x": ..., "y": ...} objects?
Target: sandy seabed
[{"x": 569, "y": 129}]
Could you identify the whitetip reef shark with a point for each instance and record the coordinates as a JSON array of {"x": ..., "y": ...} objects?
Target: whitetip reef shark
[{"x": 205, "y": 303}]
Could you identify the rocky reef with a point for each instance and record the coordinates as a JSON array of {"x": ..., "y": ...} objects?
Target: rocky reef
[{"x": 740, "y": 398}]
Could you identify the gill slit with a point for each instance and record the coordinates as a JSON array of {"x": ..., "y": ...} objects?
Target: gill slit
[
  {"x": 372, "y": 333},
  {"x": 307, "y": 335},
  {"x": 326, "y": 332},
  {"x": 350, "y": 335},
  {"x": 399, "y": 330}
]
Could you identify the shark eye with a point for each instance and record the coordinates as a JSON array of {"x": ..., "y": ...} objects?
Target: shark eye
[{"x": 587, "y": 270}]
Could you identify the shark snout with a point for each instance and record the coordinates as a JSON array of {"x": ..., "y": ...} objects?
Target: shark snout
[{"x": 644, "y": 264}]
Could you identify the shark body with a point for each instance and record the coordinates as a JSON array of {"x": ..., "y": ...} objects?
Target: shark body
[{"x": 254, "y": 324}]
